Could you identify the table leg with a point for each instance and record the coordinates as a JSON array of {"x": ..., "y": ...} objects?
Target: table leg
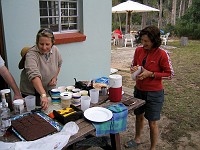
[{"x": 115, "y": 141}]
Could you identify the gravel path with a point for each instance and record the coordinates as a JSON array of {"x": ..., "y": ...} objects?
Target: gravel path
[{"x": 121, "y": 57}]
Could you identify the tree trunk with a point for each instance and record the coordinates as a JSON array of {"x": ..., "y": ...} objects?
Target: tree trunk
[
  {"x": 189, "y": 3},
  {"x": 183, "y": 9},
  {"x": 144, "y": 16},
  {"x": 180, "y": 9},
  {"x": 160, "y": 15},
  {"x": 173, "y": 16},
  {"x": 144, "y": 19}
]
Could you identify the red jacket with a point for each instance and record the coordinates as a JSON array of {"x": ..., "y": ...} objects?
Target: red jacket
[{"x": 157, "y": 61}]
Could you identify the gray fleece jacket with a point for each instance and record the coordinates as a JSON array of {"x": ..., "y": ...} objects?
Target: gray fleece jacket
[{"x": 36, "y": 65}]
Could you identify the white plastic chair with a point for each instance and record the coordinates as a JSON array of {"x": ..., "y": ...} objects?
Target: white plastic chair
[
  {"x": 116, "y": 38},
  {"x": 129, "y": 38},
  {"x": 165, "y": 38}
]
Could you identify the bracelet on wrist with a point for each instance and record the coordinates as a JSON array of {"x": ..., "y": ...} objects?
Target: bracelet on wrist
[
  {"x": 43, "y": 95},
  {"x": 152, "y": 75}
]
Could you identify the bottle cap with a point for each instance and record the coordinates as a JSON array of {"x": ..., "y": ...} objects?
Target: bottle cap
[{"x": 5, "y": 91}]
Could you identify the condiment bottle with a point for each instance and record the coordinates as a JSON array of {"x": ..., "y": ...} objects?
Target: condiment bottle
[{"x": 5, "y": 115}]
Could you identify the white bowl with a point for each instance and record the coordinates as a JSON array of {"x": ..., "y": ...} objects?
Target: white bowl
[
  {"x": 76, "y": 90},
  {"x": 62, "y": 88},
  {"x": 70, "y": 88}
]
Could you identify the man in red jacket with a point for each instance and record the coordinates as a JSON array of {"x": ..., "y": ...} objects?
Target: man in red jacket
[{"x": 156, "y": 65}]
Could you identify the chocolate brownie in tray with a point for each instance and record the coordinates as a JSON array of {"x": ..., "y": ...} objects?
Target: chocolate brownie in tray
[{"x": 32, "y": 127}]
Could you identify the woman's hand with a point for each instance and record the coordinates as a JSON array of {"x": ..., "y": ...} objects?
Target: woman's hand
[
  {"x": 134, "y": 68},
  {"x": 17, "y": 96},
  {"x": 44, "y": 102},
  {"x": 145, "y": 74},
  {"x": 53, "y": 81}
]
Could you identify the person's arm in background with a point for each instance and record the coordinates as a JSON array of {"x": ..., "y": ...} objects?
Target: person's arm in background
[{"x": 10, "y": 81}]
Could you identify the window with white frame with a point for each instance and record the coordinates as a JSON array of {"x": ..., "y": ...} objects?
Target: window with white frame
[{"x": 59, "y": 15}]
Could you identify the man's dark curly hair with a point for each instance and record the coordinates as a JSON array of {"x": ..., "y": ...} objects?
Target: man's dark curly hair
[{"x": 154, "y": 35}]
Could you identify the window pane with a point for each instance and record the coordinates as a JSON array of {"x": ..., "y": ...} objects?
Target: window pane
[{"x": 59, "y": 15}]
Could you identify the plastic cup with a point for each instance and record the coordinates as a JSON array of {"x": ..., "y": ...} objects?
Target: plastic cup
[
  {"x": 85, "y": 102},
  {"x": 94, "y": 94},
  {"x": 30, "y": 102}
]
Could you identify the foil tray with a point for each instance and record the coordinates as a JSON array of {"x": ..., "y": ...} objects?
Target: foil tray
[{"x": 55, "y": 124}]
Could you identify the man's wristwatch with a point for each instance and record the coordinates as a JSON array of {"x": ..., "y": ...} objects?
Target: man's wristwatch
[
  {"x": 152, "y": 75},
  {"x": 43, "y": 95}
]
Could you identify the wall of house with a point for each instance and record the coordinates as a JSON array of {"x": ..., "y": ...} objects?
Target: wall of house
[{"x": 83, "y": 60}]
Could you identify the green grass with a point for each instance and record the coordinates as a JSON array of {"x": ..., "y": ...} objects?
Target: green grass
[{"x": 182, "y": 99}]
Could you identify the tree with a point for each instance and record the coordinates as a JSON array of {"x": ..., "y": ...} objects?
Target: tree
[
  {"x": 189, "y": 24},
  {"x": 144, "y": 16},
  {"x": 173, "y": 16},
  {"x": 160, "y": 14}
]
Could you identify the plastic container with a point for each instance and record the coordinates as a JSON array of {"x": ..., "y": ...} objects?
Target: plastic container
[
  {"x": 18, "y": 106},
  {"x": 115, "y": 88},
  {"x": 65, "y": 99},
  {"x": 115, "y": 81}
]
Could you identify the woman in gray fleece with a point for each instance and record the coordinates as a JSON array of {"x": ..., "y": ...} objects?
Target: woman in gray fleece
[{"x": 42, "y": 65}]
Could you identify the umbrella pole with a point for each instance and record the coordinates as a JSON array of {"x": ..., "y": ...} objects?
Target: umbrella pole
[
  {"x": 129, "y": 21},
  {"x": 126, "y": 23}
]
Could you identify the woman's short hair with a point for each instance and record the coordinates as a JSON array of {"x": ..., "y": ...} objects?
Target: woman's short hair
[
  {"x": 45, "y": 32},
  {"x": 154, "y": 35}
]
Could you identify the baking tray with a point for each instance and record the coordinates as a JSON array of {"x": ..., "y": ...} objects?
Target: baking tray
[{"x": 55, "y": 124}]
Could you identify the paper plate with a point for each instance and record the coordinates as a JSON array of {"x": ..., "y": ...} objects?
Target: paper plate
[{"x": 98, "y": 114}]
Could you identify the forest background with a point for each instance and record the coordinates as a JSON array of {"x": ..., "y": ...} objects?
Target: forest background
[{"x": 179, "y": 17}]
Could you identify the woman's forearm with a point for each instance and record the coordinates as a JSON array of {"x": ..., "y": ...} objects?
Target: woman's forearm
[{"x": 37, "y": 83}]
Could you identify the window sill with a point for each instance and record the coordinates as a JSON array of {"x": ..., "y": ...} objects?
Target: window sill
[{"x": 64, "y": 38}]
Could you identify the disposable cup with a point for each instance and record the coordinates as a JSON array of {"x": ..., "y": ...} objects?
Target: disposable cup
[
  {"x": 94, "y": 94},
  {"x": 136, "y": 73},
  {"x": 30, "y": 102},
  {"x": 85, "y": 102}
]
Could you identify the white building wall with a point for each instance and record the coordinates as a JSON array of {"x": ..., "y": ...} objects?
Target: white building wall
[{"x": 82, "y": 60}]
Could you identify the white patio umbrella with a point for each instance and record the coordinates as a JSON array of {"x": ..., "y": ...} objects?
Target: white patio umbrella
[{"x": 131, "y": 7}]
